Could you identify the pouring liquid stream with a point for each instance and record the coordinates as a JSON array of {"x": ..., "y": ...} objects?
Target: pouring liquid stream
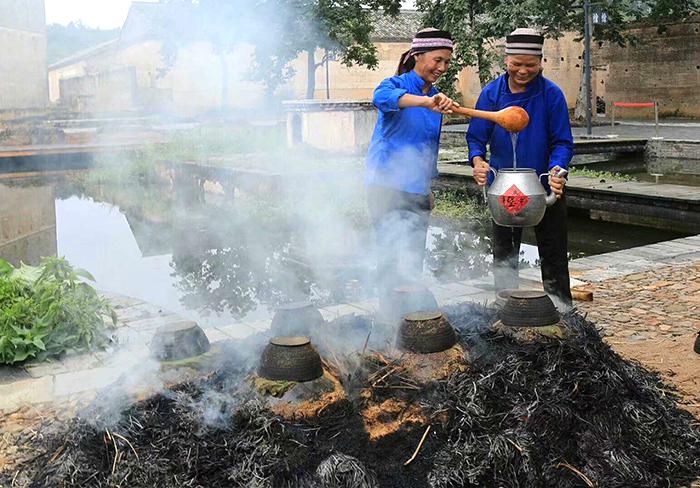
[{"x": 514, "y": 140}]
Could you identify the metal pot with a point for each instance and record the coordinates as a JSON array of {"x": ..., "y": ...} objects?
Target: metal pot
[
  {"x": 426, "y": 332},
  {"x": 517, "y": 198},
  {"x": 290, "y": 359}
]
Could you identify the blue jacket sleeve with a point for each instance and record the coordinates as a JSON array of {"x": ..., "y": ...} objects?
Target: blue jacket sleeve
[
  {"x": 387, "y": 94},
  {"x": 561, "y": 142},
  {"x": 480, "y": 130}
]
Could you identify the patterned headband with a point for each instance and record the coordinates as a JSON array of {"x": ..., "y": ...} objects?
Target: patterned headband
[{"x": 430, "y": 40}]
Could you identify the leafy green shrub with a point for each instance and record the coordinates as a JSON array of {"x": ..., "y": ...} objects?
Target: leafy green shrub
[{"x": 47, "y": 311}]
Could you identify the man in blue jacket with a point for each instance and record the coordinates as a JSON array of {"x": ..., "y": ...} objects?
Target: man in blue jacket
[{"x": 545, "y": 145}]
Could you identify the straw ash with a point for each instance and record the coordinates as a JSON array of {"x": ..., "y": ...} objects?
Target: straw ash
[{"x": 546, "y": 413}]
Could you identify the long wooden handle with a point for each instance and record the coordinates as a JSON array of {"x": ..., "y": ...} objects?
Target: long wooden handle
[{"x": 472, "y": 112}]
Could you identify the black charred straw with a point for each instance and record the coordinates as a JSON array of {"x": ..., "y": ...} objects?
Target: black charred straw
[
  {"x": 557, "y": 413},
  {"x": 561, "y": 413}
]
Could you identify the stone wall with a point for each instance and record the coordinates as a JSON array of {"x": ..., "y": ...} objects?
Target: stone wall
[
  {"x": 355, "y": 83},
  {"x": 663, "y": 67},
  {"x": 343, "y": 127},
  {"x": 23, "y": 83},
  {"x": 673, "y": 157}
]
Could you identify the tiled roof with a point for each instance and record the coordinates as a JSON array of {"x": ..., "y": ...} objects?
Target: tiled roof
[{"x": 398, "y": 29}]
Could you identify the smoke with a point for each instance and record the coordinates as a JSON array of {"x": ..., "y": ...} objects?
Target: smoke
[
  {"x": 138, "y": 375},
  {"x": 244, "y": 222}
]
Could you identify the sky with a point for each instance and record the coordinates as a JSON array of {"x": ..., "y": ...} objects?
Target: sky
[{"x": 102, "y": 14}]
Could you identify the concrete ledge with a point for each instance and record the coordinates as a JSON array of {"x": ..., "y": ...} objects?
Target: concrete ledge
[{"x": 327, "y": 105}]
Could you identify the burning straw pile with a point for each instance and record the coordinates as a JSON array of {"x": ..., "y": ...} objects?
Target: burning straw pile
[{"x": 546, "y": 413}]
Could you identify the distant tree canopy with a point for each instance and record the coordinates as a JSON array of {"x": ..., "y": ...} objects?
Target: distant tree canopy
[
  {"x": 338, "y": 27},
  {"x": 477, "y": 25},
  {"x": 65, "y": 40}
]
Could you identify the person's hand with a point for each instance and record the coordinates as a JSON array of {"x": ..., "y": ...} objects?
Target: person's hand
[
  {"x": 556, "y": 183},
  {"x": 431, "y": 200},
  {"x": 481, "y": 170},
  {"x": 440, "y": 103}
]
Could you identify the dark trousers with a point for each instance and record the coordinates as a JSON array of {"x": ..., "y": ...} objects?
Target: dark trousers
[
  {"x": 552, "y": 245},
  {"x": 400, "y": 222}
]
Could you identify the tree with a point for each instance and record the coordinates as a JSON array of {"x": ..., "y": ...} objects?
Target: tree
[
  {"x": 478, "y": 25},
  {"x": 338, "y": 27}
]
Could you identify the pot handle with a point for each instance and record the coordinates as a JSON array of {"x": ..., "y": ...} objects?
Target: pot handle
[
  {"x": 551, "y": 197},
  {"x": 486, "y": 185}
]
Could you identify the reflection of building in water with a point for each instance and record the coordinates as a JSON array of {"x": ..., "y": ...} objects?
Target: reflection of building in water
[
  {"x": 27, "y": 223},
  {"x": 23, "y": 86}
]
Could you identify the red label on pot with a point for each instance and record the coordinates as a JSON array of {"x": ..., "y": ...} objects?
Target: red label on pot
[{"x": 513, "y": 200}]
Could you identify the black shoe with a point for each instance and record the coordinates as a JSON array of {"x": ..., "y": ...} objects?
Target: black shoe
[{"x": 697, "y": 344}]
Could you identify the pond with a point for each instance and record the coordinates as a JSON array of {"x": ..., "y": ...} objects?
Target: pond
[{"x": 218, "y": 250}]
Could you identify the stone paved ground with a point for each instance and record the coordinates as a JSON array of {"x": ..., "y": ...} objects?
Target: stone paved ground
[{"x": 654, "y": 317}]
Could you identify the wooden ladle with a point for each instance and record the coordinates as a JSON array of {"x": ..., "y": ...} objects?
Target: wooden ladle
[{"x": 512, "y": 119}]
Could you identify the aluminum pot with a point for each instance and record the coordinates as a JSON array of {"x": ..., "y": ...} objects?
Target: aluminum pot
[{"x": 517, "y": 198}]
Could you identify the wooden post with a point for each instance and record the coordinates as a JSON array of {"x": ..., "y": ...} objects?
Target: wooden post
[{"x": 612, "y": 123}]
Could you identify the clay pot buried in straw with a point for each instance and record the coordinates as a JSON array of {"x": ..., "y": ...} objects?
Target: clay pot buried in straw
[
  {"x": 290, "y": 359},
  {"x": 528, "y": 308},
  {"x": 179, "y": 340},
  {"x": 426, "y": 332}
]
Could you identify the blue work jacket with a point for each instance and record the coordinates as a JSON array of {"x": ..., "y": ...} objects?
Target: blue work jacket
[{"x": 403, "y": 151}]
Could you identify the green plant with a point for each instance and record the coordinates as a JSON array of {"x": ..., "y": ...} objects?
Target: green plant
[
  {"x": 48, "y": 310},
  {"x": 457, "y": 205},
  {"x": 601, "y": 175}
]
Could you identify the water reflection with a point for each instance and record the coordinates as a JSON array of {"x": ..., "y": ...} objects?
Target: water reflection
[
  {"x": 215, "y": 249},
  {"x": 27, "y": 222}
]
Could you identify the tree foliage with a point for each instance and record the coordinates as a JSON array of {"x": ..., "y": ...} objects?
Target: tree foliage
[
  {"x": 478, "y": 26},
  {"x": 338, "y": 27}
]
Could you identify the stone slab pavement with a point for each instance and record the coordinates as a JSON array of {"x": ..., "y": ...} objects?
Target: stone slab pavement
[
  {"x": 653, "y": 317},
  {"x": 138, "y": 321}
]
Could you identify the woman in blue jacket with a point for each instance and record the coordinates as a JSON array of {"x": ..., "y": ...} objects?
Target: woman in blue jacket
[
  {"x": 546, "y": 145},
  {"x": 402, "y": 157}
]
